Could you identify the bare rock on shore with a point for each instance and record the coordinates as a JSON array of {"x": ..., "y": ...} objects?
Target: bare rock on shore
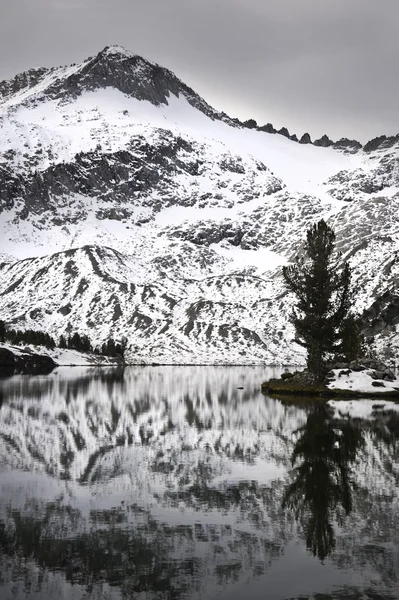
[{"x": 24, "y": 362}]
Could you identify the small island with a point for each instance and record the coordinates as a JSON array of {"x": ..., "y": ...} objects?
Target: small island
[
  {"x": 339, "y": 362},
  {"x": 363, "y": 378}
]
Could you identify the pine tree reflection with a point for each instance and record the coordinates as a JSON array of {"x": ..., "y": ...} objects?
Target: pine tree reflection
[{"x": 322, "y": 460}]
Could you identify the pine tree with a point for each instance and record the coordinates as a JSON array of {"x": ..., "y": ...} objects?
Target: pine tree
[
  {"x": 351, "y": 339},
  {"x": 111, "y": 347},
  {"x": 86, "y": 344},
  {"x": 120, "y": 349},
  {"x": 323, "y": 297},
  {"x": 2, "y": 331}
]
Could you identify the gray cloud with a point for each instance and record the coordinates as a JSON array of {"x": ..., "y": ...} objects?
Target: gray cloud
[{"x": 311, "y": 65}]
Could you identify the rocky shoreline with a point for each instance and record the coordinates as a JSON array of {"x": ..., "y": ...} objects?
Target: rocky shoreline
[
  {"x": 24, "y": 362},
  {"x": 37, "y": 360},
  {"x": 362, "y": 378}
]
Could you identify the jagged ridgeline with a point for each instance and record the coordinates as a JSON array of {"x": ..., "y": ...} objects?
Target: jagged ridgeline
[{"x": 130, "y": 207}]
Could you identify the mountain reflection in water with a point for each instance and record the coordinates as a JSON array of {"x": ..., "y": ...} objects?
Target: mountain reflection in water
[{"x": 172, "y": 483}]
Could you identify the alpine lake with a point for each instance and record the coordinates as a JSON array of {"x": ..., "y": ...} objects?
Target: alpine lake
[{"x": 167, "y": 483}]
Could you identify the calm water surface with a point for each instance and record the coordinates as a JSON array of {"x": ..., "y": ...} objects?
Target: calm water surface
[{"x": 163, "y": 483}]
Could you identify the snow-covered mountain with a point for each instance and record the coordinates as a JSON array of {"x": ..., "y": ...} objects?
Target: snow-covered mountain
[{"x": 129, "y": 206}]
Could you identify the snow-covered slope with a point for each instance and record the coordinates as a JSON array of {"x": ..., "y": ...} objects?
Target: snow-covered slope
[
  {"x": 118, "y": 172},
  {"x": 62, "y": 357},
  {"x": 169, "y": 318}
]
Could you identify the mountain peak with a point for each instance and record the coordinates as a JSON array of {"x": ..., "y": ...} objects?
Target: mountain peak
[
  {"x": 113, "y": 67},
  {"x": 117, "y": 50},
  {"x": 117, "y": 54}
]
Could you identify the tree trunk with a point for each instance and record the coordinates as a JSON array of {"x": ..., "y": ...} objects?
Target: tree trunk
[{"x": 315, "y": 361}]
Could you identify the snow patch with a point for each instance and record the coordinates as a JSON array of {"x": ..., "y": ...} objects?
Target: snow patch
[
  {"x": 261, "y": 260},
  {"x": 361, "y": 381}
]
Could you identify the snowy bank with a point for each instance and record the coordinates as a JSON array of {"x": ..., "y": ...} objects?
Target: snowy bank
[
  {"x": 364, "y": 382},
  {"x": 363, "y": 377},
  {"x": 24, "y": 358}
]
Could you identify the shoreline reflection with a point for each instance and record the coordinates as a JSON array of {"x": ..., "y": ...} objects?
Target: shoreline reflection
[{"x": 173, "y": 483}]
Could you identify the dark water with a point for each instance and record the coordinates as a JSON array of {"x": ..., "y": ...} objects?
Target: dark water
[{"x": 172, "y": 483}]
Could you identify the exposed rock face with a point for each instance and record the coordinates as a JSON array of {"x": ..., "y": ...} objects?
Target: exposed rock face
[
  {"x": 305, "y": 139},
  {"x": 383, "y": 172},
  {"x": 22, "y": 81},
  {"x": 25, "y": 362},
  {"x": 324, "y": 142},
  {"x": 268, "y": 128},
  {"x": 383, "y": 314},
  {"x": 379, "y": 369},
  {"x": 139, "y": 177},
  {"x": 346, "y": 145},
  {"x": 136, "y": 209},
  {"x": 250, "y": 124},
  {"x": 284, "y": 131},
  {"x": 381, "y": 143},
  {"x": 212, "y": 233}
]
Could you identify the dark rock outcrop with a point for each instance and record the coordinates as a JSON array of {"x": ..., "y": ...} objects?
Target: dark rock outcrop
[
  {"x": 381, "y": 143},
  {"x": 250, "y": 124},
  {"x": 22, "y": 81},
  {"x": 109, "y": 176},
  {"x": 324, "y": 142},
  {"x": 207, "y": 233},
  {"x": 347, "y": 145},
  {"x": 284, "y": 131},
  {"x": 268, "y": 128},
  {"x": 26, "y": 362},
  {"x": 377, "y": 369},
  {"x": 382, "y": 315},
  {"x": 305, "y": 139},
  {"x": 378, "y": 384}
]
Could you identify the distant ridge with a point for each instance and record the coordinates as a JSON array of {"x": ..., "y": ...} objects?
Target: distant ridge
[{"x": 115, "y": 66}]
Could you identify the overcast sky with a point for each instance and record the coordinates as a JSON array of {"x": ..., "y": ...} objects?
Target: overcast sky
[{"x": 322, "y": 66}]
